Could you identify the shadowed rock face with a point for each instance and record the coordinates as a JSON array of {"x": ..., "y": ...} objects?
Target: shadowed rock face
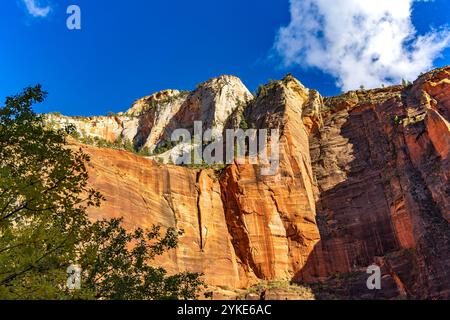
[
  {"x": 383, "y": 189},
  {"x": 363, "y": 179}
]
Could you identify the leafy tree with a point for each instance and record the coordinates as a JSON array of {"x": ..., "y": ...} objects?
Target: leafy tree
[
  {"x": 112, "y": 271},
  {"x": 43, "y": 198},
  {"x": 44, "y": 227}
]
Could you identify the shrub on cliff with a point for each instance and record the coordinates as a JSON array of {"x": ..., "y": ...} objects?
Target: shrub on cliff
[
  {"x": 261, "y": 91},
  {"x": 44, "y": 227}
]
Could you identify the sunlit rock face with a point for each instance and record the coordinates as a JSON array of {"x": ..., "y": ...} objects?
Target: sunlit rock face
[
  {"x": 363, "y": 179},
  {"x": 102, "y": 127},
  {"x": 145, "y": 193},
  {"x": 271, "y": 219}
]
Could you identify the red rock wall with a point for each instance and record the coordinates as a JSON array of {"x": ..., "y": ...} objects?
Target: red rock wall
[
  {"x": 384, "y": 188},
  {"x": 363, "y": 178},
  {"x": 272, "y": 218}
]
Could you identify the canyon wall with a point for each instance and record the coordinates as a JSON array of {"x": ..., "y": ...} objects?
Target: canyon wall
[
  {"x": 382, "y": 166},
  {"x": 363, "y": 179}
]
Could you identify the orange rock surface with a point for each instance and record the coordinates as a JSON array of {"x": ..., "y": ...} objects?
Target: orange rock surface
[{"x": 144, "y": 193}]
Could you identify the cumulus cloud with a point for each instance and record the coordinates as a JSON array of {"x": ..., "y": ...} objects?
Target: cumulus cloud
[
  {"x": 359, "y": 42},
  {"x": 34, "y": 8}
]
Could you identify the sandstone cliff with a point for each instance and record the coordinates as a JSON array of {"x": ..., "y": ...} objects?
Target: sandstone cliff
[
  {"x": 382, "y": 167},
  {"x": 363, "y": 179}
]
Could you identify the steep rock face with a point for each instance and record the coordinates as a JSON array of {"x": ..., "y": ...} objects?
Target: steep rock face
[
  {"x": 154, "y": 114},
  {"x": 144, "y": 193},
  {"x": 382, "y": 169},
  {"x": 363, "y": 178},
  {"x": 212, "y": 103},
  {"x": 272, "y": 218}
]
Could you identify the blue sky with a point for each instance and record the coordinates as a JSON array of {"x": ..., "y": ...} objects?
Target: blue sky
[{"x": 129, "y": 49}]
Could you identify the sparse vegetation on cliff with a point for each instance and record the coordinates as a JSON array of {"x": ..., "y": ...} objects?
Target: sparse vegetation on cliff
[
  {"x": 118, "y": 144},
  {"x": 261, "y": 91},
  {"x": 164, "y": 146}
]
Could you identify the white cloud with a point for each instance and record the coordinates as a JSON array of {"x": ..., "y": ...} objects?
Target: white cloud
[
  {"x": 360, "y": 42},
  {"x": 34, "y": 8}
]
